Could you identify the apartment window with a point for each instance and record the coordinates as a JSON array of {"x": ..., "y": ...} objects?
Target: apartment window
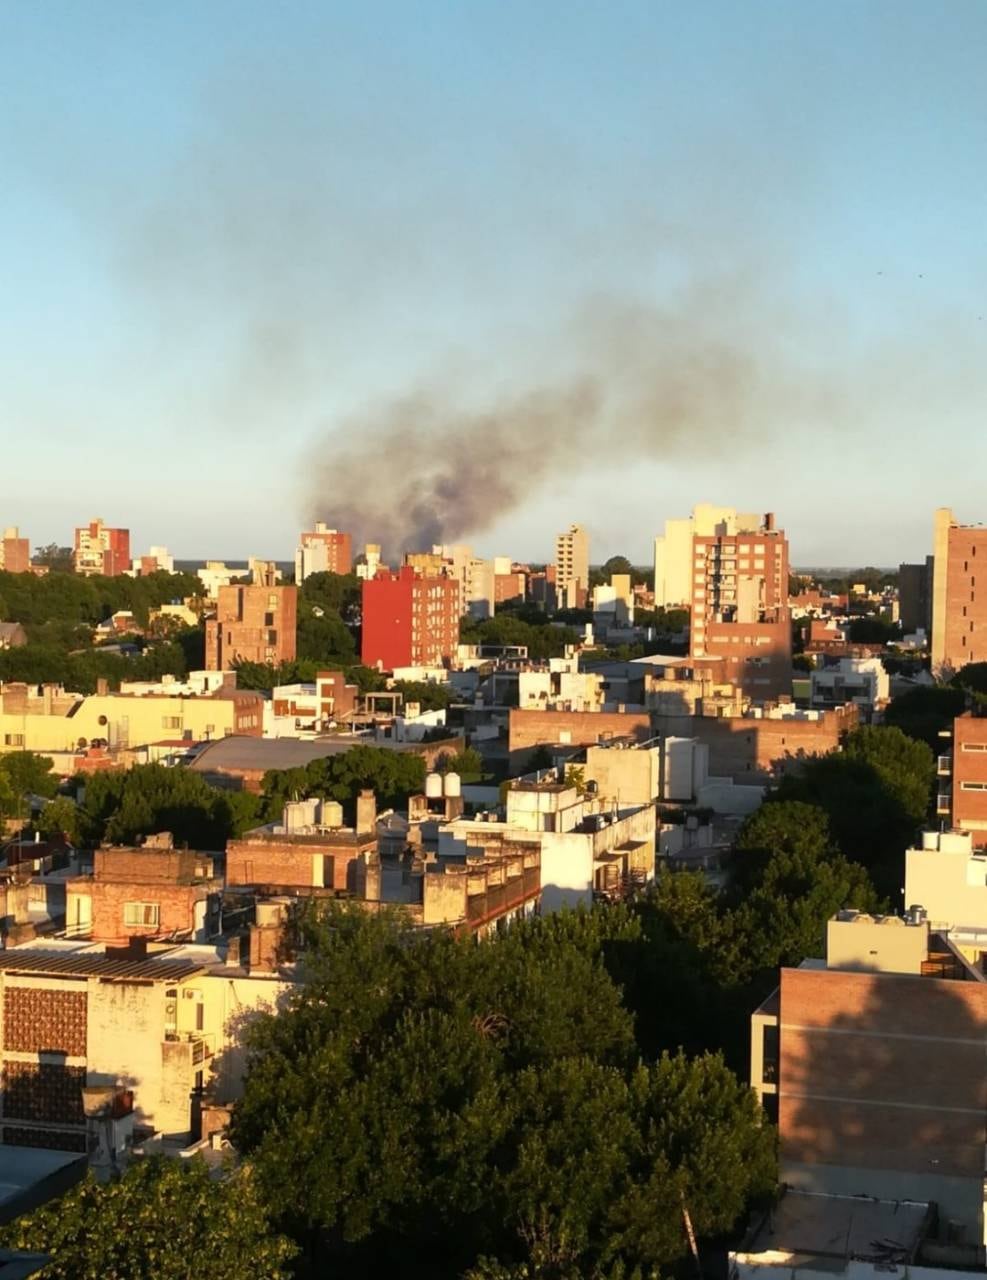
[
  {"x": 973, "y": 786},
  {"x": 268, "y": 619},
  {"x": 171, "y": 722},
  {"x": 13, "y": 739},
  {"x": 974, "y": 746},
  {"x": 141, "y": 913}
]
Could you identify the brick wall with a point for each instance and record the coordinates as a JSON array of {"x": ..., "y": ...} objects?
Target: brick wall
[
  {"x": 970, "y": 767},
  {"x": 863, "y": 1080},
  {"x": 285, "y": 862},
  {"x": 176, "y": 908},
  {"x": 36, "y": 1021},
  {"x": 43, "y": 1093},
  {"x": 530, "y": 729},
  {"x": 759, "y": 751}
]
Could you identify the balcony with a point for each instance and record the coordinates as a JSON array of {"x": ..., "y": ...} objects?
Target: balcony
[
  {"x": 944, "y": 801},
  {"x": 944, "y": 765}
]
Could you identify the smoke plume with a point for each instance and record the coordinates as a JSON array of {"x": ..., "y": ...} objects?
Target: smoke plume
[{"x": 631, "y": 384}]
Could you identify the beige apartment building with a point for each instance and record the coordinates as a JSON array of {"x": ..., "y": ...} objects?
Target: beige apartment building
[
  {"x": 59, "y": 723},
  {"x": 959, "y": 605},
  {"x": 162, "y": 1026},
  {"x": 572, "y": 567}
]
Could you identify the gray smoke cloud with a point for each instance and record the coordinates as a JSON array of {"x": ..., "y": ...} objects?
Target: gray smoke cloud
[{"x": 708, "y": 373}]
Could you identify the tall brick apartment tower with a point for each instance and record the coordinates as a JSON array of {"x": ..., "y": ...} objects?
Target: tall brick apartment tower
[
  {"x": 959, "y": 606},
  {"x": 323, "y": 550},
  {"x": 15, "y": 552},
  {"x": 253, "y": 623},
  {"x": 100, "y": 549},
  {"x": 739, "y": 606},
  {"x": 410, "y": 619}
]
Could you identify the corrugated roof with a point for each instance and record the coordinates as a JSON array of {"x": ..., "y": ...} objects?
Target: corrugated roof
[
  {"x": 88, "y": 964},
  {"x": 241, "y": 752}
]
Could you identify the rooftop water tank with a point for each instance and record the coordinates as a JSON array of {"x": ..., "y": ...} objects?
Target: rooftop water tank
[
  {"x": 433, "y": 786},
  {"x": 332, "y": 813},
  {"x": 453, "y": 785}
]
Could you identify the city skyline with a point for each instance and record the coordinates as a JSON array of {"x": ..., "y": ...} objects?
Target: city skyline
[{"x": 238, "y": 245}]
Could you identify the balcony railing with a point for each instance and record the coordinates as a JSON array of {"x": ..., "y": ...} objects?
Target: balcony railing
[{"x": 944, "y": 764}]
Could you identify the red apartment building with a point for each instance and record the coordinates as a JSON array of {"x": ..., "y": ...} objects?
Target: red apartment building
[
  {"x": 409, "y": 619},
  {"x": 740, "y": 607},
  {"x": 15, "y": 552},
  {"x": 101, "y": 550},
  {"x": 323, "y": 550},
  {"x": 959, "y": 606},
  {"x": 252, "y": 624}
]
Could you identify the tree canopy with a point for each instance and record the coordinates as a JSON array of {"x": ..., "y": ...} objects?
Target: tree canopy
[
  {"x": 875, "y": 792},
  {"x": 486, "y": 1101},
  {"x": 153, "y": 1222}
]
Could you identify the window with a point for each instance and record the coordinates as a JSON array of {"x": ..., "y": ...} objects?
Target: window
[
  {"x": 171, "y": 722},
  {"x": 268, "y": 619},
  {"x": 13, "y": 739},
  {"x": 974, "y": 746},
  {"x": 141, "y": 913},
  {"x": 973, "y": 786}
]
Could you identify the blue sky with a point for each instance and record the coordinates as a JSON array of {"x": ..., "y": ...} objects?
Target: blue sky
[{"x": 230, "y": 233}]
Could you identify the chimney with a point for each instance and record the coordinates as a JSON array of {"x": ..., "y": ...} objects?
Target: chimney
[
  {"x": 769, "y": 522},
  {"x": 366, "y": 813},
  {"x": 102, "y": 686}
]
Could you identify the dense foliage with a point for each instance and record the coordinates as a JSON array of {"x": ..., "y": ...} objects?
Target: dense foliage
[
  {"x": 486, "y": 1101},
  {"x": 165, "y": 1219},
  {"x": 543, "y": 640},
  {"x": 392, "y": 775},
  {"x": 875, "y": 793},
  {"x": 24, "y": 774}
]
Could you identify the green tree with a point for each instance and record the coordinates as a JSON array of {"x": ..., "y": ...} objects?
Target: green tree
[
  {"x": 60, "y": 817},
  {"x": 429, "y": 695},
  {"x": 391, "y": 775},
  {"x": 155, "y": 1221},
  {"x": 875, "y": 792},
  {"x": 488, "y": 1102},
  {"x": 122, "y": 807},
  {"x": 28, "y": 774},
  {"x": 924, "y": 712}
]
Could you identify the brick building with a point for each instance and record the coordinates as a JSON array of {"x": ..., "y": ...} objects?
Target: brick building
[
  {"x": 15, "y": 552},
  {"x": 309, "y": 849},
  {"x": 739, "y": 608},
  {"x": 968, "y": 767},
  {"x": 749, "y": 748},
  {"x": 255, "y": 623},
  {"x": 409, "y": 619},
  {"x": 528, "y": 730},
  {"x": 959, "y": 606},
  {"x": 154, "y": 1028},
  {"x": 155, "y": 891},
  {"x": 101, "y": 550},
  {"x": 874, "y": 1063},
  {"x": 323, "y": 550}
]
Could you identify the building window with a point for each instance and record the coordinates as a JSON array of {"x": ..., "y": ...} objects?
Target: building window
[
  {"x": 973, "y": 786},
  {"x": 13, "y": 739},
  {"x": 141, "y": 913},
  {"x": 974, "y": 746},
  {"x": 171, "y": 722}
]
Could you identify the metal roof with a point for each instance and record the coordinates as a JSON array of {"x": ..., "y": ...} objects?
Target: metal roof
[
  {"x": 86, "y": 964},
  {"x": 241, "y": 752}
]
